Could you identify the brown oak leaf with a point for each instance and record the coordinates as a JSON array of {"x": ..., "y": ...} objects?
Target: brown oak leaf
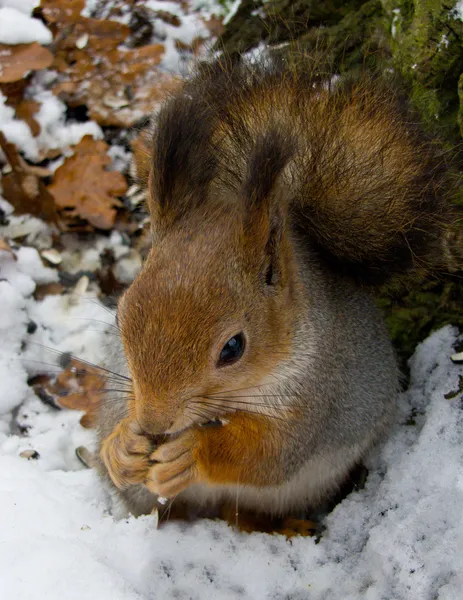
[
  {"x": 16, "y": 61},
  {"x": 5, "y": 247},
  {"x": 26, "y": 111},
  {"x": 62, "y": 12},
  {"x": 83, "y": 188},
  {"x": 78, "y": 387},
  {"x": 23, "y": 187}
]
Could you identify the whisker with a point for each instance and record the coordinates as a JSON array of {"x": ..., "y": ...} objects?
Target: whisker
[
  {"x": 85, "y": 362},
  {"x": 166, "y": 514},
  {"x": 76, "y": 371},
  {"x": 255, "y": 413},
  {"x": 217, "y": 397},
  {"x": 95, "y": 320},
  {"x": 93, "y": 301},
  {"x": 67, "y": 393},
  {"x": 251, "y": 387},
  {"x": 232, "y": 401}
]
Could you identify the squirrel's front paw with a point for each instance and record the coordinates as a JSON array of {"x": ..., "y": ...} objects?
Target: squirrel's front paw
[
  {"x": 126, "y": 454},
  {"x": 175, "y": 467}
]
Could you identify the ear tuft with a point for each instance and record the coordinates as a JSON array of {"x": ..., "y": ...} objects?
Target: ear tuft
[
  {"x": 184, "y": 159},
  {"x": 267, "y": 203},
  {"x": 270, "y": 155}
]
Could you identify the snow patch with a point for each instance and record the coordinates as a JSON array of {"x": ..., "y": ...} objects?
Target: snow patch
[
  {"x": 55, "y": 131},
  {"x": 458, "y": 10},
  {"x": 24, "y": 6},
  {"x": 16, "y": 27},
  {"x": 395, "y": 21}
]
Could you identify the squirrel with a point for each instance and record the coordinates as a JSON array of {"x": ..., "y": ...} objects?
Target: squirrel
[{"x": 256, "y": 362}]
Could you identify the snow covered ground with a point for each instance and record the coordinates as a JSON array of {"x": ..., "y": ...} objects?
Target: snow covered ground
[{"x": 399, "y": 538}]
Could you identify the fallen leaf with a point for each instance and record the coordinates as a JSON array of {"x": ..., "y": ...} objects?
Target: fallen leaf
[
  {"x": 23, "y": 188},
  {"x": 119, "y": 86},
  {"x": 26, "y": 111},
  {"x": 106, "y": 278},
  {"x": 78, "y": 387},
  {"x": 5, "y": 247},
  {"x": 48, "y": 289},
  {"x": 14, "y": 90},
  {"x": 84, "y": 189},
  {"x": 58, "y": 11},
  {"x": 16, "y": 61},
  {"x": 215, "y": 25},
  {"x": 167, "y": 17}
]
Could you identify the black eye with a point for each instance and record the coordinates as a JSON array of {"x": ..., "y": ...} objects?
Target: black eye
[{"x": 232, "y": 351}]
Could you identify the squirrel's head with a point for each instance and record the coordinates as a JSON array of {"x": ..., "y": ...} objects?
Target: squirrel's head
[{"x": 211, "y": 315}]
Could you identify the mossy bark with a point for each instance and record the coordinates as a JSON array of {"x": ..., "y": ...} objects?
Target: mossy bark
[{"x": 422, "y": 40}]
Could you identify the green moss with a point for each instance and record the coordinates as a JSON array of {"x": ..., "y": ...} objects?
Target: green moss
[
  {"x": 460, "y": 96},
  {"x": 413, "y": 315},
  {"x": 427, "y": 49}
]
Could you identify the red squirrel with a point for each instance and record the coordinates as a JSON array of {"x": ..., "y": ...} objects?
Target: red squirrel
[{"x": 259, "y": 364}]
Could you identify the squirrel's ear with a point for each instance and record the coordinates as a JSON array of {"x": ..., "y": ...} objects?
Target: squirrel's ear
[
  {"x": 266, "y": 201},
  {"x": 184, "y": 160}
]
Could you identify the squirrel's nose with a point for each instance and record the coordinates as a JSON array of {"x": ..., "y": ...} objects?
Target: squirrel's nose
[{"x": 153, "y": 422}]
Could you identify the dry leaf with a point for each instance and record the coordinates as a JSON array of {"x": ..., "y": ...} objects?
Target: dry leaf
[
  {"x": 48, "y": 289},
  {"x": 58, "y": 11},
  {"x": 78, "y": 387},
  {"x": 14, "y": 91},
  {"x": 23, "y": 188},
  {"x": 119, "y": 87},
  {"x": 16, "y": 61},
  {"x": 26, "y": 111},
  {"x": 215, "y": 25},
  {"x": 84, "y": 189},
  {"x": 5, "y": 247},
  {"x": 167, "y": 17}
]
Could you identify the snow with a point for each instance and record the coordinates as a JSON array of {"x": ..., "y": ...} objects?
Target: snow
[
  {"x": 233, "y": 10},
  {"x": 395, "y": 20},
  {"x": 24, "y": 6},
  {"x": 190, "y": 28},
  {"x": 400, "y": 538},
  {"x": 55, "y": 131},
  {"x": 458, "y": 10},
  {"x": 14, "y": 130},
  {"x": 16, "y": 27},
  {"x": 209, "y": 7}
]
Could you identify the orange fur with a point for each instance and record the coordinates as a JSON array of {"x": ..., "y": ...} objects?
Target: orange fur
[{"x": 239, "y": 452}]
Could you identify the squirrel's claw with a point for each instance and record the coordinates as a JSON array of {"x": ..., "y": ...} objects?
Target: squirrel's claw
[
  {"x": 125, "y": 453},
  {"x": 174, "y": 469}
]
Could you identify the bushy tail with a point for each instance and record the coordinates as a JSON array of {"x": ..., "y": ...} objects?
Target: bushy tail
[{"x": 375, "y": 190}]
